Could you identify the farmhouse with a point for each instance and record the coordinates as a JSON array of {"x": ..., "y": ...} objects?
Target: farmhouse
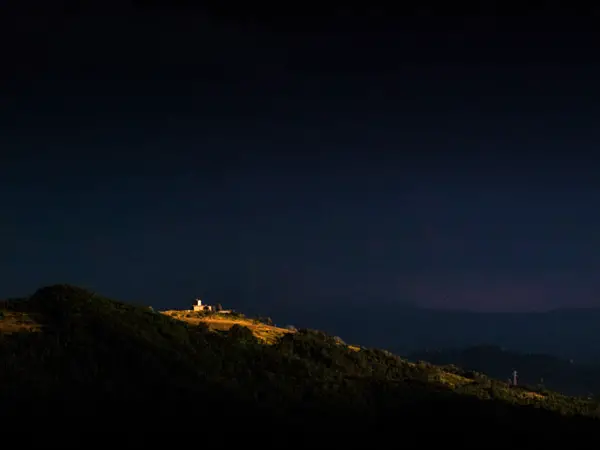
[{"x": 200, "y": 307}]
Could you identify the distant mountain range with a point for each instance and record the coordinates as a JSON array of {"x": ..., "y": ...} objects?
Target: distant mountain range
[
  {"x": 535, "y": 370},
  {"x": 557, "y": 349},
  {"x": 571, "y": 334}
]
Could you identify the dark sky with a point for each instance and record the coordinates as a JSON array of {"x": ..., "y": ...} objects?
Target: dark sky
[{"x": 160, "y": 156}]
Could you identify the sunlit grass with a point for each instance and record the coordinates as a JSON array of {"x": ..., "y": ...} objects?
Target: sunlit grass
[
  {"x": 13, "y": 322},
  {"x": 268, "y": 334}
]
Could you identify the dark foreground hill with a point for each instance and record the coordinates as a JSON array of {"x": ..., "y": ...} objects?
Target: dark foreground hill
[{"x": 75, "y": 365}]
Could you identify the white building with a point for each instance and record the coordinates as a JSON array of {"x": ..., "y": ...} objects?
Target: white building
[{"x": 200, "y": 307}]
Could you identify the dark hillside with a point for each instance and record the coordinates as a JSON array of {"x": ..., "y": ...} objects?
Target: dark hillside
[
  {"x": 561, "y": 375},
  {"x": 90, "y": 364}
]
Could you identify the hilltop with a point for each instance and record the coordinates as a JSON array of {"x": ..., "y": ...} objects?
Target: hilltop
[
  {"x": 72, "y": 358},
  {"x": 264, "y": 332}
]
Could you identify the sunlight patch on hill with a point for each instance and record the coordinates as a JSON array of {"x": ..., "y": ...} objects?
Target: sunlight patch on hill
[
  {"x": 453, "y": 380},
  {"x": 14, "y": 322},
  {"x": 531, "y": 395},
  {"x": 266, "y": 333}
]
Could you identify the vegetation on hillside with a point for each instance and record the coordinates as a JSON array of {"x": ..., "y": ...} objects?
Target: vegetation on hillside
[
  {"x": 541, "y": 371},
  {"x": 101, "y": 363},
  {"x": 262, "y": 328}
]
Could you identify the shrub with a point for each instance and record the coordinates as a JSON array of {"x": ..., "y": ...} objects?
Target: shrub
[
  {"x": 242, "y": 334},
  {"x": 265, "y": 320}
]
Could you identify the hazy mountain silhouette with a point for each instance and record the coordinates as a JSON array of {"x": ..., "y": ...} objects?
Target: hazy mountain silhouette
[
  {"x": 404, "y": 328},
  {"x": 539, "y": 370}
]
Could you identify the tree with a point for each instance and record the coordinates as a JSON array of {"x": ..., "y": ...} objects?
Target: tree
[
  {"x": 265, "y": 320},
  {"x": 242, "y": 334}
]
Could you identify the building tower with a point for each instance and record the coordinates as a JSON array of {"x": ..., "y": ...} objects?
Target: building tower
[{"x": 200, "y": 307}]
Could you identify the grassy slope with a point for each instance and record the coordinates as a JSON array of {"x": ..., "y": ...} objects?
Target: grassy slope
[
  {"x": 90, "y": 354},
  {"x": 15, "y": 322},
  {"x": 223, "y": 322},
  {"x": 269, "y": 335}
]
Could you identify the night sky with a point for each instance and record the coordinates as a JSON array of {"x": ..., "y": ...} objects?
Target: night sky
[{"x": 157, "y": 157}]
